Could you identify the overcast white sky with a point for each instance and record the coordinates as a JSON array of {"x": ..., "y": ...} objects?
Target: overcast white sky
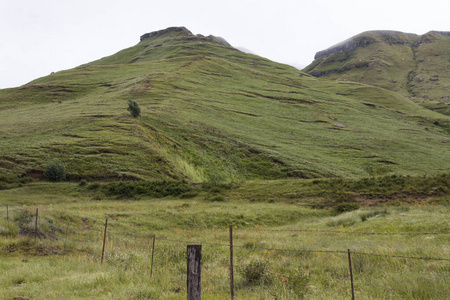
[{"x": 41, "y": 36}]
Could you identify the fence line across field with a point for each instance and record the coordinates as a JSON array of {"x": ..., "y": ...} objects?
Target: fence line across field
[
  {"x": 120, "y": 241},
  {"x": 348, "y": 252},
  {"x": 9, "y": 208},
  {"x": 346, "y": 232},
  {"x": 36, "y": 233},
  {"x": 302, "y": 250}
]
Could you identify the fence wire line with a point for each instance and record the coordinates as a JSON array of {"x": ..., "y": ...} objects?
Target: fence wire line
[
  {"x": 304, "y": 251},
  {"x": 282, "y": 249},
  {"x": 336, "y": 231},
  {"x": 307, "y": 230},
  {"x": 141, "y": 236}
]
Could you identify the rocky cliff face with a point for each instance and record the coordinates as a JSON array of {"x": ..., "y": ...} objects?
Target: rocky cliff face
[
  {"x": 346, "y": 46},
  {"x": 177, "y": 30},
  {"x": 447, "y": 33},
  {"x": 366, "y": 38},
  {"x": 182, "y": 31}
]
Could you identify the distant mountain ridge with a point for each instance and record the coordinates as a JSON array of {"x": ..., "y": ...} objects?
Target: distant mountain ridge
[
  {"x": 366, "y": 38},
  {"x": 417, "y": 66}
]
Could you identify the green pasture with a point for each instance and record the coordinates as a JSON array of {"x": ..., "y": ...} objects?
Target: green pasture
[{"x": 283, "y": 249}]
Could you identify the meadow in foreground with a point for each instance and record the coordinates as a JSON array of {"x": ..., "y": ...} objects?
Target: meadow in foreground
[{"x": 282, "y": 250}]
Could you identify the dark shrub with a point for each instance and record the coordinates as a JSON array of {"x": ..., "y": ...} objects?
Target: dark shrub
[
  {"x": 216, "y": 198},
  {"x": 345, "y": 207},
  {"x": 155, "y": 189},
  {"x": 134, "y": 108},
  {"x": 55, "y": 171},
  {"x": 190, "y": 194},
  {"x": 93, "y": 186},
  {"x": 256, "y": 271}
]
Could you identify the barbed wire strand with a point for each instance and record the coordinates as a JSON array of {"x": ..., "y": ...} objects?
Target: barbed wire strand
[
  {"x": 305, "y": 251},
  {"x": 283, "y": 249},
  {"x": 338, "y": 231}
]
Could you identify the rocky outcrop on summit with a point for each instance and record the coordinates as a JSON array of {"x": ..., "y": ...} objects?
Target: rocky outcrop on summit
[
  {"x": 184, "y": 31},
  {"x": 165, "y": 31},
  {"x": 366, "y": 38},
  {"x": 345, "y": 46},
  {"x": 447, "y": 33},
  {"x": 216, "y": 39}
]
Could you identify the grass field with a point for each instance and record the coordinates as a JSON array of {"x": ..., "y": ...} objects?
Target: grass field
[{"x": 64, "y": 262}]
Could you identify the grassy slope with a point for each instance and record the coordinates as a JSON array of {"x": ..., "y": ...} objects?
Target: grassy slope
[{"x": 211, "y": 112}]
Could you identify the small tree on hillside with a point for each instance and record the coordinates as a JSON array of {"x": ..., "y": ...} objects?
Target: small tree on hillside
[{"x": 134, "y": 108}]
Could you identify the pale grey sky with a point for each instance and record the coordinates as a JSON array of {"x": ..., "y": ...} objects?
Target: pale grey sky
[{"x": 41, "y": 36}]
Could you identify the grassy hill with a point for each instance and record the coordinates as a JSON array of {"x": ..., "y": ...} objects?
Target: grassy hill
[
  {"x": 412, "y": 65},
  {"x": 211, "y": 112}
]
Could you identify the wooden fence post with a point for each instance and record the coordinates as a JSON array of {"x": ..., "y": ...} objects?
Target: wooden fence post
[
  {"x": 36, "y": 224},
  {"x": 104, "y": 240},
  {"x": 65, "y": 238},
  {"x": 7, "y": 212},
  {"x": 231, "y": 263},
  {"x": 351, "y": 273},
  {"x": 194, "y": 257},
  {"x": 153, "y": 253}
]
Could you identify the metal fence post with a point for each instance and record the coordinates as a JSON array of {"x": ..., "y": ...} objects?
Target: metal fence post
[
  {"x": 36, "y": 224},
  {"x": 153, "y": 253},
  {"x": 104, "y": 240},
  {"x": 351, "y": 273},
  {"x": 231, "y": 264}
]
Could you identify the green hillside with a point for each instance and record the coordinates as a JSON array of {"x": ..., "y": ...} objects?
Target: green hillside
[
  {"x": 211, "y": 112},
  {"x": 415, "y": 66}
]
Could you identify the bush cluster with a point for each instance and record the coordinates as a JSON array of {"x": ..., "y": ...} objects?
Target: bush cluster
[
  {"x": 292, "y": 284},
  {"x": 9, "y": 182},
  {"x": 345, "y": 207},
  {"x": 55, "y": 171},
  {"x": 156, "y": 189},
  {"x": 389, "y": 186},
  {"x": 215, "y": 198},
  {"x": 255, "y": 271},
  {"x": 134, "y": 108}
]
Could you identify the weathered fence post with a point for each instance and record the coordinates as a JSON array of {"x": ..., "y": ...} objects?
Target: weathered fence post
[
  {"x": 194, "y": 257},
  {"x": 351, "y": 273},
  {"x": 36, "y": 224},
  {"x": 153, "y": 253},
  {"x": 104, "y": 240},
  {"x": 231, "y": 263},
  {"x": 7, "y": 212},
  {"x": 65, "y": 238}
]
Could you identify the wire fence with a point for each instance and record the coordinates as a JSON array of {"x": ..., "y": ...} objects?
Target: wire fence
[{"x": 268, "y": 263}]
